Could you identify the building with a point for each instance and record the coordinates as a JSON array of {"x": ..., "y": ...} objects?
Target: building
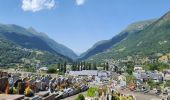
[
  {"x": 163, "y": 59},
  {"x": 84, "y": 73},
  {"x": 144, "y": 76},
  {"x": 138, "y": 68},
  {"x": 43, "y": 69},
  {"x": 167, "y": 75},
  {"x": 99, "y": 75}
]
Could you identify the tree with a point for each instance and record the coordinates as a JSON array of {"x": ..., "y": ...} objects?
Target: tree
[
  {"x": 73, "y": 67},
  {"x": 130, "y": 79},
  {"x": 104, "y": 66},
  {"x": 130, "y": 67},
  {"x": 80, "y": 97},
  {"x": 58, "y": 66},
  {"x": 107, "y": 66},
  {"x": 65, "y": 67},
  {"x": 51, "y": 70},
  {"x": 152, "y": 84},
  {"x": 83, "y": 66},
  {"x": 168, "y": 98},
  {"x": 156, "y": 66},
  {"x": 94, "y": 66},
  {"x": 91, "y": 92},
  {"x": 115, "y": 68},
  {"x": 90, "y": 66},
  {"x": 167, "y": 84}
]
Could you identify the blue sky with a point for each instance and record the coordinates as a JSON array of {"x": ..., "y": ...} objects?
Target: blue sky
[{"x": 79, "y": 24}]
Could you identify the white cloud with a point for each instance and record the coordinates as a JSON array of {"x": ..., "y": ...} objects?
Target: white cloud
[
  {"x": 37, "y": 5},
  {"x": 80, "y": 2}
]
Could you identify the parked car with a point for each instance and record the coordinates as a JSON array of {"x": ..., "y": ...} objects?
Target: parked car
[
  {"x": 84, "y": 88},
  {"x": 71, "y": 91},
  {"x": 158, "y": 92}
]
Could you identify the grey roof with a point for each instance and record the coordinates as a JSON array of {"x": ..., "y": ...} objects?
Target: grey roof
[
  {"x": 138, "y": 66},
  {"x": 84, "y": 72},
  {"x": 104, "y": 73},
  {"x": 155, "y": 76},
  {"x": 148, "y": 75}
]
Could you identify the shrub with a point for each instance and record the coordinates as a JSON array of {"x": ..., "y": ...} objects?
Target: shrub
[
  {"x": 116, "y": 97},
  {"x": 92, "y": 92},
  {"x": 80, "y": 97},
  {"x": 52, "y": 70}
]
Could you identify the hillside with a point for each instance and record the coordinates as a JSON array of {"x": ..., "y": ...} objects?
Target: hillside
[
  {"x": 155, "y": 38},
  {"x": 102, "y": 46},
  {"x": 17, "y": 43},
  {"x": 54, "y": 45}
]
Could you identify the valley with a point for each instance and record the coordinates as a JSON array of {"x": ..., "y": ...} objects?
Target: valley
[{"x": 128, "y": 64}]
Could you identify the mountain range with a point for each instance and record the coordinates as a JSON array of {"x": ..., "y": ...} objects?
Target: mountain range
[
  {"x": 144, "y": 38},
  {"x": 17, "y": 42}
]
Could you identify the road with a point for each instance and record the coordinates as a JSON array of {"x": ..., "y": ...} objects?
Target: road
[
  {"x": 74, "y": 96},
  {"x": 141, "y": 96}
]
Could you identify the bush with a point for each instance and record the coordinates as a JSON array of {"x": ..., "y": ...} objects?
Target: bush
[
  {"x": 168, "y": 98},
  {"x": 52, "y": 70},
  {"x": 152, "y": 84},
  {"x": 116, "y": 97},
  {"x": 80, "y": 97},
  {"x": 92, "y": 92},
  {"x": 167, "y": 84},
  {"x": 130, "y": 79}
]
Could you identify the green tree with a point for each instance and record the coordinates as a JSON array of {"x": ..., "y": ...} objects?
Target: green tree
[
  {"x": 80, "y": 97},
  {"x": 73, "y": 67},
  {"x": 91, "y": 92},
  {"x": 130, "y": 79},
  {"x": 115, "y": 68},
  {"x": 167, "y": 84},
  {"x": 52, "y": 70},
  {"x": 94, "y": 66},
  {"x": 65, "y": 67},
  {"x": 107, "y": 66},
  {"x": 152, "y": 84}
]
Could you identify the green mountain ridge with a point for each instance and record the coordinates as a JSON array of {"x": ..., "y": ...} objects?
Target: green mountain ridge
[
  {"x": 54, "y": 45},
  {"x": 32, "y": 33},
  {"x": 18, "y": 43},
  {"x": 154, "y": 38},
  {"x": 103, "y": 46}
]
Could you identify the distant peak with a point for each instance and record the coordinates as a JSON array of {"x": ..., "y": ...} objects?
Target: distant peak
[
  {"x": 163, "y": 19},
  {"x": 140, "y": 25},
  {"x": 32, "y": 29},
  {"x": 167, "y": 15}
]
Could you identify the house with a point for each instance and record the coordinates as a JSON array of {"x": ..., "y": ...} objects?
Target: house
[
  {"x": 141, "y": 76},
  {"x": 93, "y": 74},
  {"x": 166, "y": 75},
  {"x": 138, "y": 68},
  {"x": 104, "y": 75},
  {"x": 122, "y": 84},
  {"x": 163, "y": 59},
  {"x": 155, "y": 76},
  {"x": 84, "y": 73},
  {"x": 144, "y": 76},
  {"x": 43, "y": 69},
  {"x": 121, "y": 77}
]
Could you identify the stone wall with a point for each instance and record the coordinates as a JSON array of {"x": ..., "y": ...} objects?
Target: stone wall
[
  {"x": 3, "y": 84},
  {"x": 3, "y": 81},
  {"x": 3, "y": 74}
]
